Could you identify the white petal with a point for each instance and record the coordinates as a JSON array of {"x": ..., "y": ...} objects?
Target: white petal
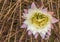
[{"x": 42, "y": 35}]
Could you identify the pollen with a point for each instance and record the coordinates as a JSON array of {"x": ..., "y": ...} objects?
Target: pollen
[{"x": 39, "y": 20}]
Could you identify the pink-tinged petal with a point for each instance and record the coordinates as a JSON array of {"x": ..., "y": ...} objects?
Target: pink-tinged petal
[
  {"x": 52, "y": 27},
  {"x": 36, "y": 35},
  {"x": 49, "y": 29},
  {"x": 54, "y": 20},
  {"x": 49, "y": 33},
  {"x": 41, "y": 7},
  {"x": 45, "y": 9},
  {"x": 33, "y": 5},
  {"x": 23, "y": 17},
  {"x": 24, "y": 14},
  {"x": 29, "y": 32},
  {"x": 51, "y": 13},
  {"x": 24, "y": 26},
  {"x": 25, "y": 11},
  {"x": 43, "y": 36}
]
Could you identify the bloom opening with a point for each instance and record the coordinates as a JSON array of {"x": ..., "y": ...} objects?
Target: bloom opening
[{"x": 38, "y": 21}]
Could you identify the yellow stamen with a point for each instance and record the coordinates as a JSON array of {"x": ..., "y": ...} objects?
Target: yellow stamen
[{"x": 39, "y": 20}]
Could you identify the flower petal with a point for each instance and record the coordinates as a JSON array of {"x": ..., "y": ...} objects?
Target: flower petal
[
  {"x": 41, "y": 7},
  {"x": 29, "y": 32},
  {"x": 33, "y": 5},
  {"x": 49, "y": 33},
  {"x": 49, "y": 30},
  {"x": 24, "y": 14},
  {"x": 51, "y": 13},
  {"x": 36, "y": 35},
  {"x": 54, "y": 20},
  {"x": 45, "y": 9},
  {"x": 23, "y": 17},
  {"x": 52, "y": 27},
  {"x": 25, "y": 11},
  {"x": 42, "y": 35},
  {"x": 24, "y": 26}
]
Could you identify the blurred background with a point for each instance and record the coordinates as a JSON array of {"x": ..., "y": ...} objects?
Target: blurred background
[{"x": 10, "y": 20}]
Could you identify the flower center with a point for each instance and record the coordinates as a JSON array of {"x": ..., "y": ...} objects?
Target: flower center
[{"x": 39, "y": 20}]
